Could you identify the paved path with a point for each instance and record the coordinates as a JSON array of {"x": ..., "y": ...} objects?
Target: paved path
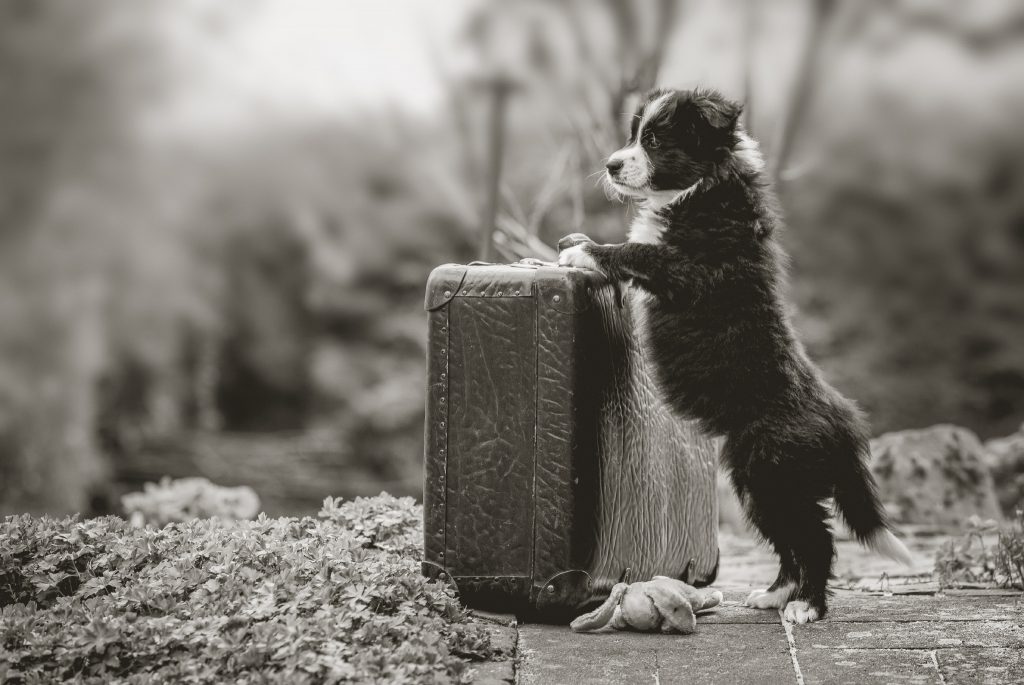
[
  {"x": 881, "y": 630},
  {"x": 867, "y": 639}
]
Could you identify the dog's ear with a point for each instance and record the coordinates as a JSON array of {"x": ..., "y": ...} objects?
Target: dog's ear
[{"x": 718, "y": 111}]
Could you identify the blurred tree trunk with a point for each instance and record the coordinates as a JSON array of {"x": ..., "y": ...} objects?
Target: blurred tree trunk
[
  {"x": 71, "y": 75},
  {"x": 498, "y": 93},
  {"x": 49, "y": 459},
  {"x": 802, "y": 92}
]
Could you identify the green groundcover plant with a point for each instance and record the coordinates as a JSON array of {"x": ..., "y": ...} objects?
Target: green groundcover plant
[{"x": 337, "y": 598}]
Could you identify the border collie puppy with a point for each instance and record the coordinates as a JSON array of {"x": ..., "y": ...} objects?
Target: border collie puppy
[{"x": 703, "y": 247}]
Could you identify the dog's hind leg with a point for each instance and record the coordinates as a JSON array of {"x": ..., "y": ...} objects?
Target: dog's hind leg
[
  {"x": 778, "y": 593},
  {"x": 815, "y": 553}
]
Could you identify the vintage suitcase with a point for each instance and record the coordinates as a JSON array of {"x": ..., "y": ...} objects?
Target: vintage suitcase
[{"x": 551, "y": 464}]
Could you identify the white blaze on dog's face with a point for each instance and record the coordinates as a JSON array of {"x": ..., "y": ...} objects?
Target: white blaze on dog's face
[
  {"x": 675, "y": 139},
  {"x": 631, "y": 166}
]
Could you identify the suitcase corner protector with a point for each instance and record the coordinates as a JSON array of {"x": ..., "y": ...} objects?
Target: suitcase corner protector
[
  {"x": 566, "y": 589},
  {"x": 434, "y": 571},
  {"x": 443, "y": 284}
]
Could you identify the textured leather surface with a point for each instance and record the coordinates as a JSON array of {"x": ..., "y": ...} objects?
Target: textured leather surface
[
  {"x": 492, "y": 384},
  {"x": 560, "y": 455}
]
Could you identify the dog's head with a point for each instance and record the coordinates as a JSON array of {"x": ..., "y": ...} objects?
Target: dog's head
[{"x": 676, "y": 138}]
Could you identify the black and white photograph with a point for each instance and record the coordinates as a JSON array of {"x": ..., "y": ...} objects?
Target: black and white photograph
[{"x": 512, "y": 342}]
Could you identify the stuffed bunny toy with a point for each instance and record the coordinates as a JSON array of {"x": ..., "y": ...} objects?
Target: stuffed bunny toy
[{"x": 660, "y": 604}]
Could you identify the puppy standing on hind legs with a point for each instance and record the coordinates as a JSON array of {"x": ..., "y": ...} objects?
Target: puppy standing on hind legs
[{"x": 703, "y": 248}]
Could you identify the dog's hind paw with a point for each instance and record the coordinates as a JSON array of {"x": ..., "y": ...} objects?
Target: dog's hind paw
[
  {"x": 769, "y": 599},
  {"x": 799, "y": 611}
]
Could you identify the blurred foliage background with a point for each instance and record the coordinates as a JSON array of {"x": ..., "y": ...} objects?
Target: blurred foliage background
[{"x": 217, "y": 216}]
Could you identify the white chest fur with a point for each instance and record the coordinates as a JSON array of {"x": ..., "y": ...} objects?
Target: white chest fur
[{"x": 647, "y": 227}]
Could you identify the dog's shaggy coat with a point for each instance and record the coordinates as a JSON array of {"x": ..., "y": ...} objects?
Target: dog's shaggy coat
[{"x": 703, "y": 246}]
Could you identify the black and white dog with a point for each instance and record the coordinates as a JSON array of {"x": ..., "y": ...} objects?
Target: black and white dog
[{"x": 703, "y": 247}]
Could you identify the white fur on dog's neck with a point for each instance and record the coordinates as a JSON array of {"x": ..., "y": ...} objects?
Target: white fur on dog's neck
[
  {"x": 748, "y": 151},
  {"x": 648, "y": 225}
]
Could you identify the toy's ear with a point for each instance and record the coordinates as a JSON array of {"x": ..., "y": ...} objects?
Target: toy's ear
[{"x": 602, "y": 615}]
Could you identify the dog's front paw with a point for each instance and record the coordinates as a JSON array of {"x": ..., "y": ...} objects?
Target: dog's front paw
[
  {"x": 572, "y": 240},
  {"x": 799, "y": 611},
  {"x": 577, "y": 255}
]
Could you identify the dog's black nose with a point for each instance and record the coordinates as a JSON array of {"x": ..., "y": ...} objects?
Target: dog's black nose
[{"x": 613, "y": 165}]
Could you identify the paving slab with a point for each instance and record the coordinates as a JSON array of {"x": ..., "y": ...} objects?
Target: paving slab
[
  {"x": 967, "y": 666},
  {"x": 862, "y": 607},
  {"x": 726, "y": 653},
  {"x": 550, "y": 655},
  {"x": 735, "y": 612},
  {"x": 908, "y": 634},
  {"x": 503, "y": 640},
  {"x": 868, "y": 666},
  {"x": 494, "y": 673}
]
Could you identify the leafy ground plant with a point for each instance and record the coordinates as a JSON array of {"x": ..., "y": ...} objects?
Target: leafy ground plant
[
  {"x": 972, "y": 560},
  {"x": 338, "y": 598}
]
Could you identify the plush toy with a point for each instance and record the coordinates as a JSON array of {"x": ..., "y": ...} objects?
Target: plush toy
[{"x": 662, "y": 603}]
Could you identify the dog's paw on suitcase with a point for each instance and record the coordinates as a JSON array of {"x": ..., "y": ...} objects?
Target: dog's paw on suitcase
[
  {"x": 572, "y": 240},
  {"x": 661, "y": 604}
]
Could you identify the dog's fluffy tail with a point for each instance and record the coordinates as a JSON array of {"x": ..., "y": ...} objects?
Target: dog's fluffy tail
[
  {"x": 883, "y": 542},
  {"x": 857, "y": 501}
]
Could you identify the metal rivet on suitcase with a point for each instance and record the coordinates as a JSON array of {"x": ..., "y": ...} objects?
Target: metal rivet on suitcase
[
  {"x": 441, "y": 400},
  {"x": 517, "y": 293},
  {"x": 442, "y": 576},
  {"x": 465, "y": 292},
  {"x": 443, "y": 351},
  {"x": 441, "y": 451},
  {"x": 441, "y": 424},
  {"x": 447, "y": 293},
  {"x": 557, "y": 298},
  {"x": 443, "y": 376},
  {"x": 499, "y": 293},
  {"x": 549, "y": 589}
]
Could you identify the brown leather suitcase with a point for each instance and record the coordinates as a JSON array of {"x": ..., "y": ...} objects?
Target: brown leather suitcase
[{"x": 551, "y": 464}]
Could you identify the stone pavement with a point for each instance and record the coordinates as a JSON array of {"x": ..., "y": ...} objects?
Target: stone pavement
[
  {"x": 866, "y": 639},
  {"x": 887, "y": 630}
]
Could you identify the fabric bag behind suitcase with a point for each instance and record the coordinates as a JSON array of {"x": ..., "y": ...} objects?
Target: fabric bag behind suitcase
[{"x": 551, "y": 464}]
